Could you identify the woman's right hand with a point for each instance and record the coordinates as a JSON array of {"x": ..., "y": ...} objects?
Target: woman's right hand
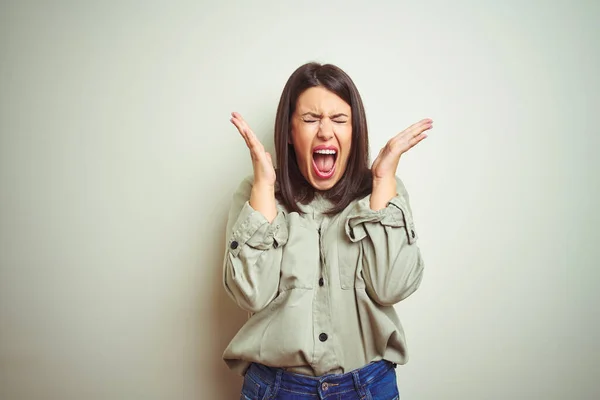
[{"x": 264, "y": 172}]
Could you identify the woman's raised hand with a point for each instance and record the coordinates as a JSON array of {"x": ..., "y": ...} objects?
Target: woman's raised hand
[
  {"x": 385, "y": 165},
  {"x": 262, "y": 197},
  {"x": 264, "y": 172}
]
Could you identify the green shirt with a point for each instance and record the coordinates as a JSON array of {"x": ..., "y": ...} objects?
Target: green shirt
[{"x": 320, "y": 289}]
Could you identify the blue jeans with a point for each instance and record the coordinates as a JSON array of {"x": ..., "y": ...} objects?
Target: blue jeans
[{"x": 376, "y": 381}]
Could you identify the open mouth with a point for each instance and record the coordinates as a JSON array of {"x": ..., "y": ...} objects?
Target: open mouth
[{"x": 324, "y": 159}]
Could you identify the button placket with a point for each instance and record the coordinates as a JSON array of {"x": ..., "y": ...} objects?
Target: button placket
[{"x": 324, "y": 353}]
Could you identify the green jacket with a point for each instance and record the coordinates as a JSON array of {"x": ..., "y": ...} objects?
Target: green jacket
[{"x": 320, "y": 289}]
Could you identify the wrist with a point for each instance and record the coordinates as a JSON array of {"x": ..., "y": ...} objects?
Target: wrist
[
  {"x": 383, "y": 191},
  {"x": 262, "y": 199},
  {"x": 384, "y": 182},
  {"x": 263, "y": 187}
]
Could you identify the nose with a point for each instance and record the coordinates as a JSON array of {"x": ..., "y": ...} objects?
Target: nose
[{"x": 325, "y": 129}]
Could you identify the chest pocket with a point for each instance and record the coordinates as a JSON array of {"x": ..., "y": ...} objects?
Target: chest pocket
[
  {"x": 300, "y": 257},
  {"x": 349, "y": 262}
]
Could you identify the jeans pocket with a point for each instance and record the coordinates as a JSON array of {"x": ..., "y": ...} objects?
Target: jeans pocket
[
  {"x": 383, "y": 396},
  {"x": 384, "y": 388},
  {"x": 254, "y": 388},
  {"x": 250, "y": 389}
]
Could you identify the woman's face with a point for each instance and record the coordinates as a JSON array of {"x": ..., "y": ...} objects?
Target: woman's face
[{"x": 322, "y": 136}]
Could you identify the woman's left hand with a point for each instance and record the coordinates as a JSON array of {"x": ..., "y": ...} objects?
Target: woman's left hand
[{"x": 385, "y": 165}]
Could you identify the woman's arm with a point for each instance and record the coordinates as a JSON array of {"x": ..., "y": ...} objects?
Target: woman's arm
[
  {"x": 391, "y": 261},
  {"x": 262, "y": 198},
  {"x": 256, "y": 232},
  {"x": 253, "y": 254}
]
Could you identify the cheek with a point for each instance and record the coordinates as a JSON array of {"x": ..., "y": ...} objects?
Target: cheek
[
  {"x": 302, "y": 145},
  {"x": 346, "y": 141},
  {"x": 300, "y": 152}
]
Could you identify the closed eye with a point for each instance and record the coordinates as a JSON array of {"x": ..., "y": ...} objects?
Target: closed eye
[{"x": 340, "y": 118}]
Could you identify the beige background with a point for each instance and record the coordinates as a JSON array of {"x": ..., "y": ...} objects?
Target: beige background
[{"x": 117, "y": 164}]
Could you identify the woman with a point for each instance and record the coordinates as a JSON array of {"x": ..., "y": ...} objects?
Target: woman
[{"x": 321, "y": 250}]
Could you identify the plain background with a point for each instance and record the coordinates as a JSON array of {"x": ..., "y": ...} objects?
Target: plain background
[{"x": 118, "y": 162}]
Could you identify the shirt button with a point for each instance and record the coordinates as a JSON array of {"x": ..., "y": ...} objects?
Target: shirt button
[
  {"x": 234, "y": 245},
  {"x": 412, "y": 232},
  {"x": 321, "y": 282},
  {"x": 323, "y": 337}
]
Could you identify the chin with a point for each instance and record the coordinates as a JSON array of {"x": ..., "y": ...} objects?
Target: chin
[{"x": 323, "y": 185}]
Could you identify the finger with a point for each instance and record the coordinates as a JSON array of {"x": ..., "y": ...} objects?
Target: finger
[
  {"x": 238, "y": 124},
  {"x": 241, "y": 130},
  {"x": 417, "y": 139},
  {"x": 414, "y": 130},
  {"x": 241, "y": 122},
  {"x": 418, "y": 127},
  {"x": 245, "y": 131},
  {"x": 237, "y": 115},
  {"x": 244, "y": 126},
  {"x": 241, "y": 119},
  {"x": 254, "y": 144}
]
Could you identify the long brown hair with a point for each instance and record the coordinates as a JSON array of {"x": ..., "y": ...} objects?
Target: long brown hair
[{"x": 356, "y": 181}]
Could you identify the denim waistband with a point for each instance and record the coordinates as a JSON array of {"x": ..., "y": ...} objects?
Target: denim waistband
[{"x": 321, "y": 386}]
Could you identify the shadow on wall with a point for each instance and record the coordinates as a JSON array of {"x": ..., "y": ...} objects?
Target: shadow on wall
[{"x": 227, "y": 319}]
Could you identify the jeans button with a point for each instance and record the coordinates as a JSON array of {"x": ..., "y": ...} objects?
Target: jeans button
[{"x": 325, "y": 386}]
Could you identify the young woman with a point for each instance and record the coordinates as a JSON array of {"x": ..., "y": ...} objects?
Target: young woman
[{"x": 320, "y": 249}]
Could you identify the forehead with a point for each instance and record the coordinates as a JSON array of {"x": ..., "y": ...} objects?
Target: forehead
[{"x": 321, "y": 100}]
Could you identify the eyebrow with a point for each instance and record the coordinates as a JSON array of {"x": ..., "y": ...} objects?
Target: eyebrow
[
  {"x": 321, "y": 116},
  {"x": 338, "y": 115}
]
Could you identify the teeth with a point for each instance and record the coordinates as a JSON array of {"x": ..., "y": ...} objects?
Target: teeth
[{"x": 325, "y": 151}]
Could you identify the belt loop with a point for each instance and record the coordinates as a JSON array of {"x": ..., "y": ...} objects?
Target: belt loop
[
  {"x": 359, "y": 387},
  {"x": 276, "y": 384}
]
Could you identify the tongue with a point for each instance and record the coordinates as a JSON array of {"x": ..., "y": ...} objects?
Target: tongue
[{"x": 324, "y": 162}]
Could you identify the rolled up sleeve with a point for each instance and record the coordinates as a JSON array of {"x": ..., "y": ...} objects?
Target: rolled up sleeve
[
  {"x": 252, "y": 262},
  {"x": 392, "y": 265}
]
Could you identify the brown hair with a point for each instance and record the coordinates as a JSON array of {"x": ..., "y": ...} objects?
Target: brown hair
[{"x": 356, "y": 182}]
